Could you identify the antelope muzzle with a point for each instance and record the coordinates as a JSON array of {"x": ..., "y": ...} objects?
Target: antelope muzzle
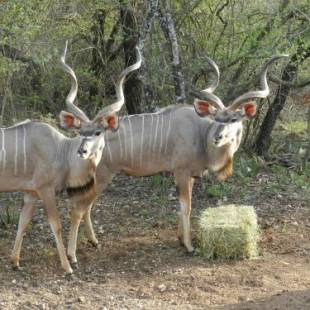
[{"x": 84, "y": 148}]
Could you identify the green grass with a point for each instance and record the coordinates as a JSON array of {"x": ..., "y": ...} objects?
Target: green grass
[
  {"x": 161, "y": 184},
  {"x": 9, "y": 215},
  {"x": 297, "y": 127},
  {"x": 252, "y": 175}
]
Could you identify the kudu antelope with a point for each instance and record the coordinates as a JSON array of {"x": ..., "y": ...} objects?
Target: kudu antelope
[
  {"x": 183, "y": 140},
  {"x": 40, "y": 161}
]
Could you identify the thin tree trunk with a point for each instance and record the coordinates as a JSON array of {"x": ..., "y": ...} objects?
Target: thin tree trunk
[
  {"x": 167, "y": 26},
  {"x": 233, "y": 91},
  {"x": 151, "y": 14},
  {"x": 262, "y": 142},
  {"x": 133, "y": 86},
  {"x": 307, "y": 155},
  {"x": 97, "y": 66}
]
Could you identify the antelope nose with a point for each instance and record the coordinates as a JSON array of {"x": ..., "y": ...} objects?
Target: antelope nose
[
  {"x": 82, "y": 152},
  {"x": 217, "y": 139}
]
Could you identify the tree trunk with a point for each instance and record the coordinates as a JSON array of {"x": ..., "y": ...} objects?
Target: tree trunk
[
  {"x": 97, "y": 66},
  {"x": 33, "y": 71},
  {"x": 233, "y": 91},
  {"x": 167, "y": 26},
  {"x": 307, "y": 155},
  {"x": 133, "y": 86},
  {"x": 262, "y": 142},
  {"x": 151, "y": 14}
]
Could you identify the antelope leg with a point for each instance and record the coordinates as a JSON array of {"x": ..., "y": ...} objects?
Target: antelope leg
[
  {"x": 24, "y": 219},
  {"x": 49, "y": 200},
  {"x": 76, "y": 215},
  {"x": 185, "y": 186},
  {"x": 91, "y": 236}
]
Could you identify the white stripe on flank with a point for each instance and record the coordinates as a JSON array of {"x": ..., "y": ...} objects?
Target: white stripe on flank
[
  {"x": 161, "y": 132},
  {"x": 168, "y": 132},
  {"x": 3, "y": 152},
  {"x": 107, "y": 146},
  {"x": 157, "y": 121},
  {"x": 131, "y": 141},
  {"x": 125, "y": 139},
  {"x": 120, "y": 142},
  {"x": 151, "y": 135},
  {"x": 16, "y": 152},
  {"x": 24, "y": 148},
  {"x": 142, "y": 137}
]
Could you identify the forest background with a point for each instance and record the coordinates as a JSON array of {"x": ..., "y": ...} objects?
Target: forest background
[
  {"x": 174, "y": 37},
  {"x": 139, "y": 263}
]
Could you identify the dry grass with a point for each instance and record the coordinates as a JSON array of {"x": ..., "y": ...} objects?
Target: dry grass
[{"x": 228, "y": 232}]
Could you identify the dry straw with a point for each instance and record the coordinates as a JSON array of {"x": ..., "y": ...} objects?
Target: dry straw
[{"x": 228, "y": 232}]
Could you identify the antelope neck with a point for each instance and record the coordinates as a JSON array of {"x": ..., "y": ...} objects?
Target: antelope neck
[{"x": 82, "y": 189}]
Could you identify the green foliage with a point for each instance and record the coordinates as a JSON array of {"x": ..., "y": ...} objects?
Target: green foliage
[
  {"x": 218, "y": 190},
  {"x": 251, "y": 176},
  {"x": 9, "y": 215},
  {"x": 38, "y": 28},
  {"x": 298, "y": 127},
  {"x": 239, "y": 35},
  {"x": 161, "y": 184}
]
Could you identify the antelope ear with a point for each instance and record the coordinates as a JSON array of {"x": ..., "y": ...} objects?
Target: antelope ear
[
  {"x": 204, "y": 108},
  {"x": 109, "y": 121},
  {"x": 249, "y": 110},
  {"x": 69, "y": 121}
]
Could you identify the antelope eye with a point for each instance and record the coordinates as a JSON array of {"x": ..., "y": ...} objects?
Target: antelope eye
[{"x": 97, "y": 133}]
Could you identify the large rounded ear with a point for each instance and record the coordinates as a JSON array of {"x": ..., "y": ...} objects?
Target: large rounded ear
[
  {"x": 109, "y": 121},
  {"x": 204, "y": 108},
  {"x": 249, "y": 110},
  {"x": 69, "y": 121}
]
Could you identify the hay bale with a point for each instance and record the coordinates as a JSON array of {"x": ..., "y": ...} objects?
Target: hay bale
[{"x": 228, "y": 232}]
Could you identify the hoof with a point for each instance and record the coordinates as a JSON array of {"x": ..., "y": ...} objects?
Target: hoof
[
  {"x": 181, "y": 241},
  {"x": 16, "y": 267},
  {"x": 72, "y": 261},
  {"x": 74, "y": 265},
  {"x": 190, "y": 253},
  {"x": 94, "y": 244},
  {"x": 69, "y": 273}
]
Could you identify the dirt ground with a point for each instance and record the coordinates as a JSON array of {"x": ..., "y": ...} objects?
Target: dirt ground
[{"x": 140, "y": 265}]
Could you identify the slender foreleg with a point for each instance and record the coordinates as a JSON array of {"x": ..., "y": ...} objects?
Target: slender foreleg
[
  {"x": 24, "y": 219},
  {"x": 49, "y": 200},
  {"x": 90, "y": 233},
  {"x": 102, "y": 181},
  {"x": 76, "y": 215},
  {"x": 184, "y": 188},
  {"x": 82, "y": 208}
]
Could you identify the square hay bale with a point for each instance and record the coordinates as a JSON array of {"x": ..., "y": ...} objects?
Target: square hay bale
[{"x": 228, "y": 232}]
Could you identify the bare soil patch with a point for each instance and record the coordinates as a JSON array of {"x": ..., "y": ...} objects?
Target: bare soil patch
[{"x": 140, "y": 265}]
